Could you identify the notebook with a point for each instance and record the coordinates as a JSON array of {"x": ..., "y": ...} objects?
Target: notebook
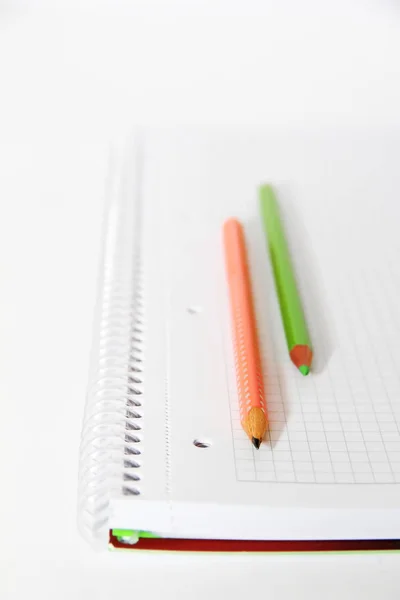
[{"x": 163, "y": 451}]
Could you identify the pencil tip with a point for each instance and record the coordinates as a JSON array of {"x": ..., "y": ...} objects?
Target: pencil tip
[
  {"x": 304, "y": 369},
  {"x": 256, "y": 442}
]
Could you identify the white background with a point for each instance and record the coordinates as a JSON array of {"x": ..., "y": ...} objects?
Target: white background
[{"x": 71, "y": 79}]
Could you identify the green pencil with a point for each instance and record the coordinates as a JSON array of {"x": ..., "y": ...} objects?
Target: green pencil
[{"x": 296, "y": 332}]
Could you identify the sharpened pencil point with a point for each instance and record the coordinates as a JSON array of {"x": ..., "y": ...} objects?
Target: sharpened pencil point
[
  {"x": 304, "y": 370},
  {"x": 256, "y": 442}
]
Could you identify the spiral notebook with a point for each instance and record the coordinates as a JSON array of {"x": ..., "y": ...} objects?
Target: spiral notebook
[{"x": 163, "y": 451}]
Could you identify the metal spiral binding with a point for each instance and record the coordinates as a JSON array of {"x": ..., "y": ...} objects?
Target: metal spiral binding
[
  {"x": 111, "y": 450},
  {"x": 134, "y": 398}
]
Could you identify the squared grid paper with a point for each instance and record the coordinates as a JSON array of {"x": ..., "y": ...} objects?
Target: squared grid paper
[{"x": 340, "y": 425}]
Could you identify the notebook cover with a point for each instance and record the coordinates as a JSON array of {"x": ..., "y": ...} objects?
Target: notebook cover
[{"x": 334, "y": 437}]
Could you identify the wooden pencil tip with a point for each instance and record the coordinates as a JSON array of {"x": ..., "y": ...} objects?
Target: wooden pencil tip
[{"x": 256, "y": 442}]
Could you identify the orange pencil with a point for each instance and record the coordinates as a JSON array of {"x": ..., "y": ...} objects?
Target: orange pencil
[{"x": 253, "y": 411}]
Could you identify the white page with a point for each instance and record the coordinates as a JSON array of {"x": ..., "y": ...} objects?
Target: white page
[{"x": 334, "y": 436}]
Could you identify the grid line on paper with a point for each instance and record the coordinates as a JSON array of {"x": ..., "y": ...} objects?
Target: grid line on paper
[
  {"x": 348, "y": 384},
  {"x": 389, "y": 350},
  {"x": 325, "y": 440},
  {"x": 281, "y": 470},
  {"x": 305, "y": 477},
  {"x": 285, "y": 417},
  {"x": 370, "y": 351},
  {"x": 346, "y": 378}
]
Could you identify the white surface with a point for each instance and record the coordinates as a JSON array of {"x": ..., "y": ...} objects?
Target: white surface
[{"x": 68, "y": 81}]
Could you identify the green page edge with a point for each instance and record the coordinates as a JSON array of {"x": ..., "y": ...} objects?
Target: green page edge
[{"x": 127, "y": 533}]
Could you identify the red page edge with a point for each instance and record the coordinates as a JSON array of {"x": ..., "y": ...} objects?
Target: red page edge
[{"x": 187, "y": 545}]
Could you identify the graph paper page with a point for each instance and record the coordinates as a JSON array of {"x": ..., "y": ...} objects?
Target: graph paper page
[{"x": 339, "y": 200}]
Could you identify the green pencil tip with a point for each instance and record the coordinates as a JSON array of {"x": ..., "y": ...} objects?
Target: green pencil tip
[{"x": 304, "y": 370}]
